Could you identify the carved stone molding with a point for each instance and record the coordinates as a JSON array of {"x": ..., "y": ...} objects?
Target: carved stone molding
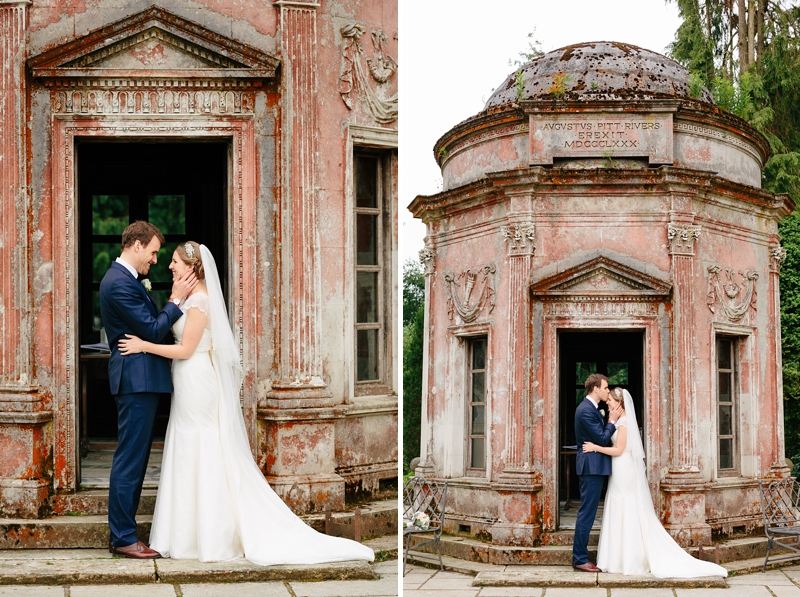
[
  {"x": 426, "y": 258},
  {"x": 353, "y": 74},
  {"x": 734, "y": 298},
  {"x": 681, "y": 238},
  {"x": 152, "y": 101},
  {"x": 467, "y": 308},
  {"x": 242, "y": 195},
  {"x": 600, "y": 308},
  {"x": 777, "y": 255},
  {"x": 520, "y": 238}
]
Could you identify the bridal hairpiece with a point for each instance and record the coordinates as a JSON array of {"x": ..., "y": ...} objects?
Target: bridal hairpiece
[{"x": 189, "y": 250}]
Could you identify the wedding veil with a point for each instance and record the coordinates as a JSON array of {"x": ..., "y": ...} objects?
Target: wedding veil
[
  {"x": 228, "y": 364},
  {"x": 634, "y": 439}
]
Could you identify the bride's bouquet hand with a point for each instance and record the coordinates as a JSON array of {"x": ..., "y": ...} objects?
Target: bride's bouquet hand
[
  {"x": 131, "y": 345},
  {"x": 589, "y": 447}
]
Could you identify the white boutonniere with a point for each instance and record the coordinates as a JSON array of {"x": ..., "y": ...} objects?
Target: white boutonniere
[
  {"x": 603, "y": 413},
  {"x": 147, "y": 286}
]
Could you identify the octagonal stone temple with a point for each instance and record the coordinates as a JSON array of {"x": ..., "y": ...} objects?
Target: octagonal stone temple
[{"x": 601, "y": 215}]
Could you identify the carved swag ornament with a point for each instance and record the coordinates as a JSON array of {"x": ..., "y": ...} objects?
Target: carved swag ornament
[
  {"x": 353, "y": 74},
  {"x": 484, "y": 298},
  {"x": 733, "y": 297}
]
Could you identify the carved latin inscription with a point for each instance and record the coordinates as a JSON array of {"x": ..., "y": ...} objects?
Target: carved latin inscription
[
  {"x": 151, "y": 101},
  {"x": 600, "y": 308},
  {"x": 600, "y": 135},
  {"x": 471, "y": 292}
]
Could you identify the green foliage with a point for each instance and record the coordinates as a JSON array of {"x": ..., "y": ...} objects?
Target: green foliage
[
  {"x": 692, "y": 47},
  {"x": 519, "y": 85},
  {"x": 790, "y": 333},
  {"x": 413, "y": 290},
  {"x": 413, "y": 334},
  {"x": 559, "y": 86},
  {"x": 534, "y": 50}
]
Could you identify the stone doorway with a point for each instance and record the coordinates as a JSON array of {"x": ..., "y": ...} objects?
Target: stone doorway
[
  {"x": 181, "y": 186},
  {"x": 616, "y": 354}
]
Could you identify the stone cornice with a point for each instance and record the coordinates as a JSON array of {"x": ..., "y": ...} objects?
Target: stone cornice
[{"x": 548, "y": 180}]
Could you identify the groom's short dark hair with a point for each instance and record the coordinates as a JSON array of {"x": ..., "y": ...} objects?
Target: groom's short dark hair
[
  {"x": 141, "y": 231},
  {"x": 595, "y": 380}
]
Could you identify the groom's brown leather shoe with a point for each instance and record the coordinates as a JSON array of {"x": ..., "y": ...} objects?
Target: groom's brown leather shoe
[
  {"x": 138, "y": 551},
  {"x": 587, "y": 567}
]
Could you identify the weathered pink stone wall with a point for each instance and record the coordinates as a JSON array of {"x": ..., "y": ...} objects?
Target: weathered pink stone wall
[{"x": 297, "y": 218}]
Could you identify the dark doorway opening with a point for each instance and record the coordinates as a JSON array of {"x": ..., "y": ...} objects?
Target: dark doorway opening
[
  {"x": 616, "y": 354},
  {"x": 181, "y": 187}
]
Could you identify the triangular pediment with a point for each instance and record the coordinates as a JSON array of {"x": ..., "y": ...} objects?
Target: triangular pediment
[
  {"x": 601, "y": 276},
  {"x": 154, "y": 42}
]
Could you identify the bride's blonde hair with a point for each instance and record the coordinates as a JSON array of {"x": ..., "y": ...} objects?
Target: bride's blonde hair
[
  {"x": 195, "y": 262},
  {"x": 616, "y": 394}
]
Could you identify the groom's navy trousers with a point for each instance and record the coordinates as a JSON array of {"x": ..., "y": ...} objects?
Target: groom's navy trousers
[
  {"x": 137, "y": 381},
  {"x": 592, "y": 469}
]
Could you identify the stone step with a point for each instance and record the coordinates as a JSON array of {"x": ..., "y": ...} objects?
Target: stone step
[
  {"x": 95, "y": 501},
  {"x": 471, "y": 550},
  {"x": 91, "y": 531},
  {"x": 96, "y": 566}
]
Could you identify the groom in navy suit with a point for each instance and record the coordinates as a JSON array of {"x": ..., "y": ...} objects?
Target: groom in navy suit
[
  {"x": 592, "y": 468},
  {"x": 137, "y": 380}
]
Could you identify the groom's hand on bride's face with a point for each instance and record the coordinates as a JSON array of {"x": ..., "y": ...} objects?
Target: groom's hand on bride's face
[
  {"x": 183, "y": 286},
  {"x": 614, "y": 411}
]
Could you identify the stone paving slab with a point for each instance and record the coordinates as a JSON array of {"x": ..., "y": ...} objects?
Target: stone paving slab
[
  {"x": 32, "y": 591},
  {"x": 60, "y": 572},
  {"x": 737, "y": 592},
  {"x": 244, "y": 589},
  {"x": 648, "y": 581},
  {"x": 242, "y": 570},
  {"x": 514, "y": 592},
  {"x": 121, "y": 590},
  {"x": 353, "y": 588},
  {"x": 533, "y": 577}
]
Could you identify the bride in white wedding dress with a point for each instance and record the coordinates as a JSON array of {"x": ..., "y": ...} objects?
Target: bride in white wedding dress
[
  {"x": 214, "y": 503},
  {"x": 632, "y": 540}
]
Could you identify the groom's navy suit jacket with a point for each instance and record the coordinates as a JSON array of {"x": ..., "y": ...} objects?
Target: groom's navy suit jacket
[
  {"x": 589, "y": 427},
  {"x": 126, "y": 308}
]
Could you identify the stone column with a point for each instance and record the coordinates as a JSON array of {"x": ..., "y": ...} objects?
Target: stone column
[
  {"x": 518, "y": 482},
  {"x": 24, "y": 425},
  {"x": 426, "y": 468},
  {"x": 300, "y": 416},
  {"x": 778, "y": 468},
  {"x": 683, "y": 487}
]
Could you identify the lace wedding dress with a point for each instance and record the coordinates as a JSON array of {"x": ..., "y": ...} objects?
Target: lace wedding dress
[
  {"x": 213, "y": 502},
  {"x": 632, "y": 539}
]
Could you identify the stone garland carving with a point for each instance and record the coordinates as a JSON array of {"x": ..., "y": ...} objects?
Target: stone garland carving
[
  {"x": 519, "y": 237},
  {"x": 159, "y": 101},
  {"x": 682, "y": 237},
  {"x": 733, "y": 297},
  {"x": 381, "y": 68},
  {"x": 426, "y": 259},
  {"x": 468, "y": 309}
]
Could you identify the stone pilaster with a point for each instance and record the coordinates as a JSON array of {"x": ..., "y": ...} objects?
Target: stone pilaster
[
  {"x": 24, "y": 427},
  {"x": 299, "y": 419},
  {"x": 301, "y": 383},
  {"x": 426, "y": 468},
  {"x": 777, "y": 255},
  {"x": 15, "y": 362},
  {"x": 519, "y": 481},
  {"x": 683, "y": 490}
]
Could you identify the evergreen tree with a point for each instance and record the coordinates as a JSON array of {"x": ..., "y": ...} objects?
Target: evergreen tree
[{"x": 413, "y": 334}]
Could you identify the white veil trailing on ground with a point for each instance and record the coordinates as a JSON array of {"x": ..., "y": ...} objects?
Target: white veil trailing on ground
[{"x": 269, "y": 531}]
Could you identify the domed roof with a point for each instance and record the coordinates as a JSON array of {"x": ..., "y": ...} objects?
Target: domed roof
[{"x": 602, "y": 70}]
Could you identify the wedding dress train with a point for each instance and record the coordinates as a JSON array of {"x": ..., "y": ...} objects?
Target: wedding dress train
[
  {"x": 213, "y": 502},
  {"x": 632, "y": 539}
]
